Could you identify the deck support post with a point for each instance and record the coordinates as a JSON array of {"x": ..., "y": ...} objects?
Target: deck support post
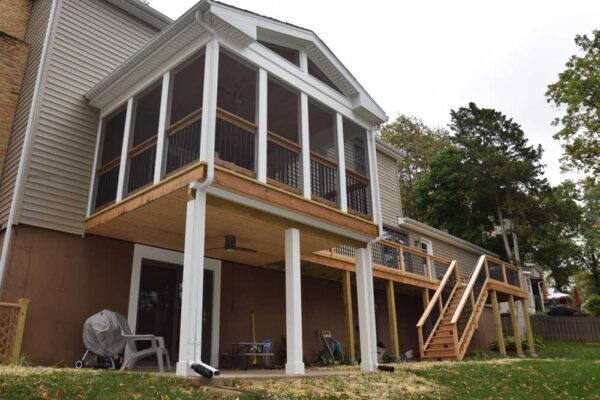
[
  {"x": 515, "y": 325},
  {"x": 391, "y": 303},
  {"x": 529, "y": 331},
  {"x": 348, "y": 315},
  {"x": 339, "y": 135},
  {"x": 366, "y": 310},
  {"x": 425, "y": 298},
  {"x": 190, "y": 336},
  {"x": 293, "y": 303},
  {"x": 261, "y": 119},
  {"x": 498, "y": 323}
]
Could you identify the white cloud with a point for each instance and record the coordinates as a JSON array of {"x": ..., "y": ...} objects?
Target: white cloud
[{"x": 424, "y": 58}]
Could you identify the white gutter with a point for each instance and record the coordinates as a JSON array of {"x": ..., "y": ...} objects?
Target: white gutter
[{"x": 27, "y": 143}]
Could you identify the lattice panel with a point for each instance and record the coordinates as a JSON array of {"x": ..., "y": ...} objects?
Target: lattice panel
[{"x": 9, "y": 317}]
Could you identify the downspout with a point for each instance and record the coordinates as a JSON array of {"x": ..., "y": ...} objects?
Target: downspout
[
  {"x": 200, "y": 367},
  {"x": 12, "y": 214}
]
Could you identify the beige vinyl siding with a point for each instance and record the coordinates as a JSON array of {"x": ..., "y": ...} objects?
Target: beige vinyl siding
[
  {"x": 389, "y": 190},
  {"x": 466, "y": 259},
  {"x": 35, "y": 35},
  {"x": 91, "y": 39}
]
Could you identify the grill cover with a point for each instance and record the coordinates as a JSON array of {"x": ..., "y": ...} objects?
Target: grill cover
[{"x": 102, "y": 333}]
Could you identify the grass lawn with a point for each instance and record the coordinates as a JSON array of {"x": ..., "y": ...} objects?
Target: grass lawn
[{"x": 564, "y": 370}]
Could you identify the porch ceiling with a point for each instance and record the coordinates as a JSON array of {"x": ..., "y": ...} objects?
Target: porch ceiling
[{"x": 157, "y": 218}]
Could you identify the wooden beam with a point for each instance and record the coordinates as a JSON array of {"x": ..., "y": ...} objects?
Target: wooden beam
[
  {"x": 348, "y": 315},
  {"x": 515, "y": 325},
  {"x": 425, "y": 297},
  {"x": 391, "y": 303},
  {"x": 498, "y": 323},
  {"x": 529, "y": 331}
]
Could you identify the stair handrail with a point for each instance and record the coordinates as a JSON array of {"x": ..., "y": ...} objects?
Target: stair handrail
[
  {"x": 467, "y": 293},
  {"x": 437, "y": 294}
]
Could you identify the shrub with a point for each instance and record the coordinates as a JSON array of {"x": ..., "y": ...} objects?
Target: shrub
[
  {"x": 509, "y": 343},
  {"x": 593, "y": 306}
]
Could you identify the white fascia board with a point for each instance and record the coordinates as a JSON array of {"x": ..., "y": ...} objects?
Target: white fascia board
[
  {"x": 389, "y": 150},
  {"x": 432, "y": 232},
  {"x": 143, "y": 12},
  {"x": 235, "y": 19}
]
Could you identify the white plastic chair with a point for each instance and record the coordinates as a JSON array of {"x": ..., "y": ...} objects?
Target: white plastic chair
[{"x": 157, "y": 347}]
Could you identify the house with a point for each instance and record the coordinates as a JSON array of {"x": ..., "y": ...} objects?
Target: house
[{"x": 193, "y": 173}]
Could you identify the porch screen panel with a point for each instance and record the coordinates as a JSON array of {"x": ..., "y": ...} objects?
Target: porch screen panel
[
  {"x": 235, "y": 135},
  {"x": 323, "y": 154},
  {"x": 356, "y": 159},
  {"x": 107, "y": 174},
  {"x": 283, "y": 149},
  {"x": 142, "y": 155},
  {"x": 184, "y": 130}
]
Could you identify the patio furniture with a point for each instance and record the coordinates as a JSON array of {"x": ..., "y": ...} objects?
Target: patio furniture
[
  {"x": 247, "y": 350},
  {"x": 157, "y": 348}
]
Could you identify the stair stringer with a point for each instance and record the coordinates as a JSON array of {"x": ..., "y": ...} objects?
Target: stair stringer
[{"x": 472, "y": 324}]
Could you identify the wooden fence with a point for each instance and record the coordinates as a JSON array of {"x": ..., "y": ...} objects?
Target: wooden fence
[
  {"x": 12, "y": 326},
  {"x": 579, "y": 329}
]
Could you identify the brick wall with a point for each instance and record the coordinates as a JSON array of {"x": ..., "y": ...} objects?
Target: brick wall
[{"x": 14, "y": 16}]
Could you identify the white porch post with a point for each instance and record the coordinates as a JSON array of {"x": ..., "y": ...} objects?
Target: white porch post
[
  {"x": 159, "y": 165},
  {"x": 305, "y": 145},
  {"x": 261, "y": 136},
  {"x": 366, "y": 310},
  {"x": 374, "y": 178},
  {"x": 339, "y": 133},
  {"x": 209, "y": 102},
  {"x": 94, "y": 178},
  {"x": 293, "y": 303},
  {"x": 121, "y": 183},
  {"x": 190, "y": 336}
]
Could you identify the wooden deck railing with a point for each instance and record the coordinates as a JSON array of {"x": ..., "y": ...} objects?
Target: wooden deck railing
[
  {"x": 430, "y": 319},
  {"x": 12, "y": 326},
  {"x": 503, "y": 272},
  {"x": 323, "y": 179},
  {"x": 357, "y": 187}
]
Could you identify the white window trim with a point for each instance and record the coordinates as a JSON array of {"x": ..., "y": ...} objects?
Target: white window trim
[{"x": 142, "y": 252}]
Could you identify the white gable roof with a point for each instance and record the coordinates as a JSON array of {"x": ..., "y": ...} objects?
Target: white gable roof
[{"x": 244, "y": 27}]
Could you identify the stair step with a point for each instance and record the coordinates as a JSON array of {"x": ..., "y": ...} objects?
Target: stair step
[
  {"x": 442, "y": 339},
  {"x": 440, "y": 346},
  {"x": 440, "y": 353}
]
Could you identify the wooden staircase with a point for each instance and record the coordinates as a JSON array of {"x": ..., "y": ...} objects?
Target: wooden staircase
[{"x": 447, "y": 337}]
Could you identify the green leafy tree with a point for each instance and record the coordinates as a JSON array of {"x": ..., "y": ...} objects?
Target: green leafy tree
[
  {"x": 485, "y": 181},
  {"x": 421, "y": 144},
  {"x": 577, "y": 93},
  {"x": 589, "y": 241}
]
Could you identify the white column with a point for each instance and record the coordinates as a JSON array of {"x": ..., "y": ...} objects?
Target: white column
[
  {"x": 374, "y": 178},
  {"x": 209, "y": 101},
  {"x": 293, "y": 303},
  {"x": 366, "y": 311},
  {"x": 305, "y": 144},
  {"x": 303, "y": 59},
  {"x": 339, "y": 130},
  {"x": 190, "y": 335},
  {"x": 261, "y": 135},
  {"x": 121, "y": 189},
  {"x": 159, "y": 165}
]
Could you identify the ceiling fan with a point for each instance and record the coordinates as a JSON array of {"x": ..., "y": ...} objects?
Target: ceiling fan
[{"x": 231, "y": 246}]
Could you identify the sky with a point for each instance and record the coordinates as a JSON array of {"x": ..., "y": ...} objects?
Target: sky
[{"x": 424, "y": 58}]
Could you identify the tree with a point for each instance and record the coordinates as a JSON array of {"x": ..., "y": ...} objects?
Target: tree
[
  {"x": 493, "y": 171},
  {"x": 421, "y": 144},
  {"x": 589, "y": 241},
  {"x": 577, "y": 92}
]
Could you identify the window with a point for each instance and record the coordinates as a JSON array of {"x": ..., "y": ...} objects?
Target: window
[
  {"x": 142, "y": 156},
  {"x": 107, "y": 175},
  {"x": 283, "y": 151},
  {"x": 291, "y": 55},
  {"x": 323, "y": 157},
  {"x": 183, "y": 134},
  {"x": 316, "y": 72},
  {"x": 235, "y": 143}
]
